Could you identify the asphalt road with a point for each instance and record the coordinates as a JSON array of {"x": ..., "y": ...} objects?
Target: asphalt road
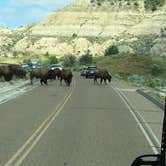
[{"x": 84, "y": 125}]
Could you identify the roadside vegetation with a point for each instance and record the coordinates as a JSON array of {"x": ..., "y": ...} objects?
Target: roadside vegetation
[
  {"x": 149, "y": 4},
  {"x": 133, "y": 64},
  {"x": 142, "y": 71}
]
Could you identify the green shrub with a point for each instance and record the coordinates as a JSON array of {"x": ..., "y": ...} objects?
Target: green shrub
[
  {"x": 111, "y": 50},
  {"x": 46, "y": 54},
  {"x": 153, "y": 4},
  {"x": 149, "y": 4},
  {"x": 69, "y": 60},
  {"x": 15, "y": 54},
  {"x": 136, "y": 4},
  {"x": 27, "y": 61},
  {"x": 117, "y": 77},
  {"x": 76, "y": 68},
  {"x": 155, "y": 70},
  {"x": 150, "y": 82},
  {"x": 137, "y": 79},
  {"x": 86, "y": 59},
  {"x": 52, "y": 60},
  {"x": 74, "y": 35}
]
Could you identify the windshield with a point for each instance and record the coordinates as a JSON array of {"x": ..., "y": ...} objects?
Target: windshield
[
  {"x": 55, "y": 65},
  {"x": 82, "y": 82}
]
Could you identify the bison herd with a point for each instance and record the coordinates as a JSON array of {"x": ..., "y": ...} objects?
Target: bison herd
[
  {"x": 44, "y": 74},
  {"x": 8, "y": 71}
]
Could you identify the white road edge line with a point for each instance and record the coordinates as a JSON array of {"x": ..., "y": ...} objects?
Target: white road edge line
[
  {"x": 138, "y": 122},
  {"x": 145, "y": 123}
]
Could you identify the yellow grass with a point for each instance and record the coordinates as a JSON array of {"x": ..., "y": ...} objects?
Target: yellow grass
[{"x": 21, "y": 59}]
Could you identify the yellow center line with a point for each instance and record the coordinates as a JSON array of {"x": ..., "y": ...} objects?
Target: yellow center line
[{"x": 36, "y": 136}]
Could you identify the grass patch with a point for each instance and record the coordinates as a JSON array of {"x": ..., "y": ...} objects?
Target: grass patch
[
  {"x": 22, "y": 59},
  {"x": 129, "y": 65}
]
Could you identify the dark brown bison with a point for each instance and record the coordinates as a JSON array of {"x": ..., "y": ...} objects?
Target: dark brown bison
[
  {"x": 6, "y": 73},
  {"x": 9, "y": 70},
  {"x": 1, "y": 72},
  {"x": 17, "y": 70},
  {"x": 66, "y": 75},
  {"x": 57, "y": 73},
  {"x": 43, "y": 74},
  {"x": 103, "y": 75}
]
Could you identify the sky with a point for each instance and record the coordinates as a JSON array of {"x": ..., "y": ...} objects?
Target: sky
[{"x": 16, "y": 13}]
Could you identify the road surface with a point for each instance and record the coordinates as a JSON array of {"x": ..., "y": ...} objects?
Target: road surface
[{"x": 81, "y": 125}]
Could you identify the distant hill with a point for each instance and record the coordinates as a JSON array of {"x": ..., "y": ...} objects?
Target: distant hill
[{"x": 94, "y": 25}]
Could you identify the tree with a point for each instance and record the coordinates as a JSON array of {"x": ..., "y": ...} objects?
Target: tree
[
  {"x": 14, "y": 54},
  {"x": 153, "y": 4},
  {"x": 27, "y": 61},
  {"x": 52, "y": 60},
  {"x": 155, "y": 69},
  {"x": 74, "y": 35},
  {"x": 111, "y": 50},
  {"x": 69, "y": 60},
  {"x": 86, "y": 59},
  {"x": 46, "y": 54}
]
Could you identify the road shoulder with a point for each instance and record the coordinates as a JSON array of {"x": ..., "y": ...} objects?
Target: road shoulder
[{"x": 149, "y": 114}]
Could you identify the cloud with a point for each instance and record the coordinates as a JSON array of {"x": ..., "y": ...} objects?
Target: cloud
[{"x": 16, "y": 13}]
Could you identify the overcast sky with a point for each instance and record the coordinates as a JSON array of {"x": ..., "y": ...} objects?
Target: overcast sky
[{"x": 15, "y": 13}]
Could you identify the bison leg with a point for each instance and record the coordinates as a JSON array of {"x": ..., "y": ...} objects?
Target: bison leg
[
  {"x": 69, "y": 82},
  {"x": 101, "y": 80},
  {"x": 25, "y": 77},
  {"x": 55, "y": 78},
  {"x": 105, "y": 81},
  {"x": 41, "y": 81},
  {"x": 60, "y": 81},
  {"x": 31, "y": 78},
  {"x": 95, "y": 80},
  {"x": 31, "y": 81},
  {"x": 45, "y": 81}
]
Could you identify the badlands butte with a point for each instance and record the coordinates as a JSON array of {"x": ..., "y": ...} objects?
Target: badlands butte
[{"x": 91, "y": 24}]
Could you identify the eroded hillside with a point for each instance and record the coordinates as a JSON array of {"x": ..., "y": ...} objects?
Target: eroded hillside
[{"x": 94, "y": 25}]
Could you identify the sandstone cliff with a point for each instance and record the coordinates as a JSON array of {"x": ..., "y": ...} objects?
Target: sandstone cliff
[{"x": 85, "y": 25}]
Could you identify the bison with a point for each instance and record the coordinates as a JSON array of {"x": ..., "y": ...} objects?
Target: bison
[
  {"x": 66, "y": 75},
  {"x": 103, "y": 75},
  {"x": 43, "y": 74},
  {"x": 57, "y": 73},
  {"x": 18, "y": 71},
  {"x": 6, "y": 72}
]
